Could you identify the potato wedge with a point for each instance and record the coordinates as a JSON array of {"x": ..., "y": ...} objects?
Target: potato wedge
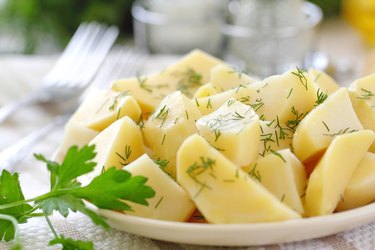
[
  {"x": 333, "y": 117},
  {"x": 234, "y": 130},
  {"x": 330, "y": 177},
  {"x": 284, "y": 176},
  {"x": 361, "y": 188},
  {"x": 119, "y": 144},
  {"x": 222, "y": 191},
  {"x": 171, "y": 123},
  {"x": 224, "y": 77},
  {"x": 187, "y": 76},
  {"x": 324, "y": 82},
  {"x": 103, "y": 107},
  {"x": 282, "y": 96},
  {"x": 170, "y": 202}
]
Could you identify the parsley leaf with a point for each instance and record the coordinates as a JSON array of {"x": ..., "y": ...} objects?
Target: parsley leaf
[
  {"x": 76, "y": 163},
  {"x": 71, "y": 244},
  {"x": 10, "y": 192},
  {"x": 109, "y": 189}
]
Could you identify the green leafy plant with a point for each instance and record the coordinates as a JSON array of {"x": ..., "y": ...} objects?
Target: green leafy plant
[
  {"x": 41, "y": 20},
  {"x": 108, "y": 190}
]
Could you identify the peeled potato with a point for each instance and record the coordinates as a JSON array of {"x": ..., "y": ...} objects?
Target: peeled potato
[
  {"x": 119, "y": 144},
  {"x": 333, "y": 117},
  {"x": 170, "y": 202},
  {"x": 283, "y": 175},
  {"x": 234, "y": 130},
  {"x": 330, "y": 177},
  {"x": 223, "y": 192},
  {"x": 361, "y": 188}
]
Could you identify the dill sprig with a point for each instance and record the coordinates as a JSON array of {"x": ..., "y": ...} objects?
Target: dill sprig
[
  {"x": 258, "y": 104},
  {"x": 320, "y": 97},
  {"x": 366, "y": 95},
  {"x": 162, "y": 163},
  {"x": 162, "y": 114},
  {"x": 196, "y": 169},
  {"x": 301, "y": 76},
  {"x": 255, "y": 173},
  {"x": 188, "y": 79},
  {"x": 278, "y": 155},
  {"x": 293, "y": 123},
  {"x": 124, "y": 158},
  {"x": 116, "y": 99},
  {"x": 341, "y": 132}
]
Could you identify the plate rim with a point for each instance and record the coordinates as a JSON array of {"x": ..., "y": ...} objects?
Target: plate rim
[{"x": 340, "y": 222}]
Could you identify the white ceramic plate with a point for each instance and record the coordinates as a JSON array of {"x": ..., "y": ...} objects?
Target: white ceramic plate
[{"x": 241, "y": 234}]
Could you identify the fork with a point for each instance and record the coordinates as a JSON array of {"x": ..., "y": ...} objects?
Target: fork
[
  {"x": 74, "y": 69},
  {"x": 123, "y": 64}
]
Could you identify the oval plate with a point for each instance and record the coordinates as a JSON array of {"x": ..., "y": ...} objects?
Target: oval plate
[{"x": 241, "y": 234}]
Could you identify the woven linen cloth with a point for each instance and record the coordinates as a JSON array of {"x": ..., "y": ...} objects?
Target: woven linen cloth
[{"x": 20, "y": 74}]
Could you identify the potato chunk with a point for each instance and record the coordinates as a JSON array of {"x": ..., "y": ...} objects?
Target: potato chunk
[
  {"x": 76, "y": 133},
  {"x": 333, "y": 117},
  {"x": 170, "y": 203},
  {"x": 361, "y": 188},
  {"x": 333, "y": 172},
  {"x": 279, "y": 95},
  {"x": 325, "y": 83},
  {"x": 171, "y": 123},
  {"x": 362, "y": 95},
  {"x": 284, "y": 176},
  {"x": 187, "y": 76},
  {"x": 205, "y": 90},
  {"x": 275, "y": 136},
  {"x": 234, "y": 130},
  {"x": 223, "y": 78},
  {"x": 103, "y": 107},
  {"x": 223, "y": 192},
  {"x": 246, "y": 94},
  {"x": 119, "y": 144}
]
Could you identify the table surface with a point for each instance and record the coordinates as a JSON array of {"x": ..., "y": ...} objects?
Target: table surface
[{"x": 20, "y": 74}]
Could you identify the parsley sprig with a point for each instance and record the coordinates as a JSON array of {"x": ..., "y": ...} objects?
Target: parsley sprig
[{"x": 109, "y": 190}]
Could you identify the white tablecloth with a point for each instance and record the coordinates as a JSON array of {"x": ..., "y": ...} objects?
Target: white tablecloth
[{"x": 20, "y": 74}]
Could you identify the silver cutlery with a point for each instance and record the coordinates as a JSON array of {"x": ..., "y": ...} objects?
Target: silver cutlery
[
  {"x": 118, "y": 65},
  {"x": 73, "y": 71}
]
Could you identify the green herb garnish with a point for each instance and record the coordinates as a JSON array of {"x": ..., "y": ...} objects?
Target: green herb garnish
[{"x": 109, "y": 190}]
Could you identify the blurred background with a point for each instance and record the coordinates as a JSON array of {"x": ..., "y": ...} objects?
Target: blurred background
[
  {"x": 249, "y": 33},
  {"x": 29, "y": 24}
]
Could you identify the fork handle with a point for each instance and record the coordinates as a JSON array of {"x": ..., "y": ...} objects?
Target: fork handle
[
  {"x": 8, "y": 109},
  {"x": 18, "y": 151}
]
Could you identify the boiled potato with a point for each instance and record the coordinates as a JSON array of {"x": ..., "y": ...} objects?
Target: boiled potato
[
  {"x": 330, "y": 177},
  {"x": 284, "y": 176},
  {"x": 205, "y": 90},
  {"x": 224, "y": 77},
  {"x": 102, "y": 107},
  {"x": 187, "y": 76},
  {"x": 286, "y": 97},
  {"x": 243, "y": 93},
  {"x": 76, "y": 133},
  {"x": 361, "y": 188},
  {"x": 171, "y": 123},
  {"x": 170, "y": 202},
  {"x": 335, "y": 116},
  {"x": 362, "y": 95},
  {"x": 119, "y": 144},
  {"x": 234, "y": 130},
  {"x": 275, "y": 136},
  {"x": 223, "y": 192},
  {"x": 325, "y": 83}
]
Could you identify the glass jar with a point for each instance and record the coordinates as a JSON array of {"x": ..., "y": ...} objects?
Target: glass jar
[
  {"x": 267, "y": 37},
  {"x": 179, "y": 26}
]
